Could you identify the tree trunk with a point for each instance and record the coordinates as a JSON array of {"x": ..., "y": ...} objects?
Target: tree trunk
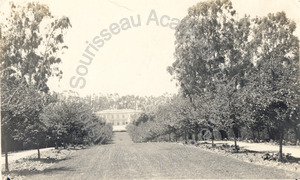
[
  {"x": 235, "y": 144},
  {"x": 254, "y": 136},
  {"x": 297, "y": 135},
  {"x": 258, "y": 135},
  {"x": 196, "y": 135},
  {"x": 56, "y": 145},
  {"x": 6, "y": 153},
  {"x": 212, "y": 138},
  {"x": 64, "y": 144},
  {"x": 39, "y": 154},
  {"x": 190, "y": 136},
  {"x": 196, "y": 132},
  {"x": 235, "y": 134},
  {"x": 185, "y": 137},
  {"x": 280, "y": 145},
  {"x": 6, "y": 161}
]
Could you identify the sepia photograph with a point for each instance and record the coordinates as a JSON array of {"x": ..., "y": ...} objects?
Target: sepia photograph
[{"x": 147, "y": 89}]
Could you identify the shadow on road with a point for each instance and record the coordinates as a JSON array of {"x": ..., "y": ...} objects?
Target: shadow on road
[{"x": 49, "y": 160}]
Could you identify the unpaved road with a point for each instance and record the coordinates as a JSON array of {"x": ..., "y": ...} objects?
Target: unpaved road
[{"x": 127, "y": 160}]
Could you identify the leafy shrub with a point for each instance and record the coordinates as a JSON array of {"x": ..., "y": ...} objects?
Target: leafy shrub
[{"x": 275, "y": 157}]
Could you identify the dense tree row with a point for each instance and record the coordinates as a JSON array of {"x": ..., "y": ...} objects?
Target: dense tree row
[
  {"x": 115, "y": 101},
  {"x": 31, "y": 41},
  {"x": 233, "y": 73},
  {"x": 71, "y": 120}
]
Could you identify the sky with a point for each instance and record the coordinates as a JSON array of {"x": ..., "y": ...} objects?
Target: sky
[{"x": 132, "y": 61}]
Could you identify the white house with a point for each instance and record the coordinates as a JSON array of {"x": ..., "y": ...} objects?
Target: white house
[{"x": 119, "y": 118}]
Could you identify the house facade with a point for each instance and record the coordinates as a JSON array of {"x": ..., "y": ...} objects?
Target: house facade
[{"x": 119, "y": 118}]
